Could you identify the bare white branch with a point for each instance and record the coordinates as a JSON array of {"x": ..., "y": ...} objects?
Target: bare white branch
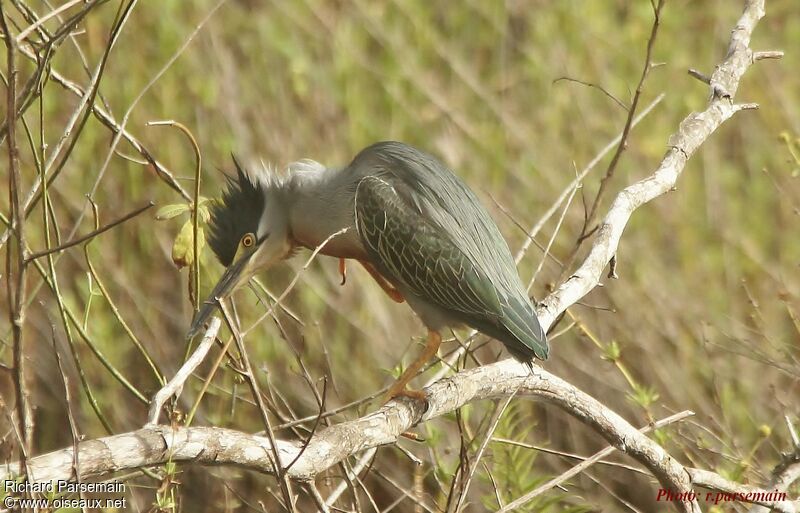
[
  {"x": 175, "y": 385},
  {"x": 692, "y": 132}
]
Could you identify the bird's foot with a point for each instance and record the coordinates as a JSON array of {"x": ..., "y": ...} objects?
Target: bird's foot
[
  {"x": 416, "y": 395},
  {"x": 343, "y": 271},
  {"x": 412, "y": 436}
]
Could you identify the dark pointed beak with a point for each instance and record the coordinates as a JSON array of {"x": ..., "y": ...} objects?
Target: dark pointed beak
[{"x": 225, "y": 286}]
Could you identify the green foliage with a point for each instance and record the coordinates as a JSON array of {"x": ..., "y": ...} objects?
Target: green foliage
[
  {"x": 643, "y": 396},
  {"x": 514, "y": 468}
]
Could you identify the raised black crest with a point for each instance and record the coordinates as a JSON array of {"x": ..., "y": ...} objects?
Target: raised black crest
[{"x": 238, "y": 213}]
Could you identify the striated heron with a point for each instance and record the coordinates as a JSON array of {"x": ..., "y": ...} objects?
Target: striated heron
[{"x": 412, "y": 223}]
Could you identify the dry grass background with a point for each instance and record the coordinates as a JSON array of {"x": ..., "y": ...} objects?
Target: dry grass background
[{"x": 705, "y": 315}]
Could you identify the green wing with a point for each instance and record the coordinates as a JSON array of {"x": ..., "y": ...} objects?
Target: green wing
[{"x": 411, "y": 250}]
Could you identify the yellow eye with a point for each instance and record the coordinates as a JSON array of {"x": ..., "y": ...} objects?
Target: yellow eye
[{"x": 248, "y": 240}]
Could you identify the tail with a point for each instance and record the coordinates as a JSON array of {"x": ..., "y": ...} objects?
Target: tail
[{"x": 527, "y": 339}]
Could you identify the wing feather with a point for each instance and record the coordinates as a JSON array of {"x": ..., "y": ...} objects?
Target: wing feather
[
  {"x": 454, "y": 255},
  {"x": 413, "y": 252}
]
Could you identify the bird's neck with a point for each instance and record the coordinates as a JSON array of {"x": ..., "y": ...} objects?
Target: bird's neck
[{"x": 320, "y": 206}]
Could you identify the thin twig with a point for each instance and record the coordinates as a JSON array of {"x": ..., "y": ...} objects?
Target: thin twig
[
  {"x": 590, "y": 84},
  {"x": 24, "y": 33},
  {"x": 280, "y": 473},
  {"x": 73, "y": 427},
  {"x": 16, "y": 280},
  {"x": 195, "y": 207},
  {"x": 589, "y": 220},
  {"x": 175, "y": 385},
  {"x": 577, "y": 181},
  {"x": 295, "y": 279},
  {"x": 114, "y": 309},
  {"x": 588, "y": 462},
  {"x": 484, "y": 444},
  {"x": 90, "y": 235}
]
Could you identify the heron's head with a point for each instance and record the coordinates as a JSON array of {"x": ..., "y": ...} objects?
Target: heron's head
[{"x": 249, "y": 232}]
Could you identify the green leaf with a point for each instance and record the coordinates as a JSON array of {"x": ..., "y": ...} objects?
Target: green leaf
[
  {"x": 643, "y": 396},
  {"x": 612, "y": 351},
  {"x": 170, "y": 211}
]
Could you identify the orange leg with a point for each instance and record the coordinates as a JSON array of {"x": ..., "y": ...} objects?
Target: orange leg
[
  {"x": 387, "y": 287},
  {"x": 343, "y": 271},
  {"x": 399, "y": 386}
]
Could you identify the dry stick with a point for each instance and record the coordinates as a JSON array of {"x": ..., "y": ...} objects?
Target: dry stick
[
  {"x": 244, "y": 333},
  {"x": 90, "y": 235},
  {"x": 586, "y": 231},
  {"x": 316, "y": 422},
  {"x": 283, "y": 479},
  {"x": 22, "y": 35},
  {"x": 485, "y": 443},
  {"x": 318, "y": 500},
  {"x": 195, "y": 206},
  {"x": 567, "y": 455},
  {"x": 759, "y": 496},
  {"x": 108, "y": 120},
  {"x": 45, "y": 53},
  {"x": 219, "y": 446},
  {"x": 787, "y": 471},
  {"x": 406, "y": 493},
  {"x": 280, "y": 299},
  {"x": 577, "y": 181},
  {"x": 33, "y": 195},
  {"x": 175, "y": 385},
  {"x": 552, "y": 239},
  {"x": 167, "y": 65},
  {"x": 73, "y": 427},
  {"x": 23, "y": 469},
  {"x": 156, "y": 77},
  {"x": 113, "y": 306},
  {"x": 16, "y": 282},
  {"x": 693, "y": 131},
  {"x": 65, "y": 317},
  {"x": 592, "y": 85},
  {"x": 586, "y": 463},
  {"x": 295, "y": 279},
  {"x": 351, "y": 473},
  {"x": 43, "y": 181},
  {"x": 370, "y": 453},
  {"x": 117, "y": 128},
  {"x": 207, "y": 381},
  {"x": 82, "y": 55},
  {"x": 80, "y": 116},
  {"x": 792, "y": 433}
]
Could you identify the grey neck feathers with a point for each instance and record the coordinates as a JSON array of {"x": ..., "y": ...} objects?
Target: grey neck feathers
[{"x": 320, "y": 203}]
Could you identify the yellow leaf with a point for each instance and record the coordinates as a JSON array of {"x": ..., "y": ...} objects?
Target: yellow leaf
[{"x": 183, "y": 247}]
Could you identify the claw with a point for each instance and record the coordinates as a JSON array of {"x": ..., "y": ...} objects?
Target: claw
[
  {"x": 343, "y": 270},
  {"x": 399, "y": 386},
  {"x": 417, "y": 395}
]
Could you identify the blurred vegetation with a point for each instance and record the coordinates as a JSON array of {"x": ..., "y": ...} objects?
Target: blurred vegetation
[{"x": 705, "y": 315}]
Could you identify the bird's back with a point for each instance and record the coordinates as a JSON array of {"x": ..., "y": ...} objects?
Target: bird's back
[{"x": 450, "y": 210}]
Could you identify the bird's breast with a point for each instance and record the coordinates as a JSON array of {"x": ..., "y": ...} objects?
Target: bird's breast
[{"x": 344, "y": 245}]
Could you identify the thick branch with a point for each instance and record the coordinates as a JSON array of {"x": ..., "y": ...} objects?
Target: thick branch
[
  {"x": 217, "y": 446},
  {"x": 692, "y": 132}
]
